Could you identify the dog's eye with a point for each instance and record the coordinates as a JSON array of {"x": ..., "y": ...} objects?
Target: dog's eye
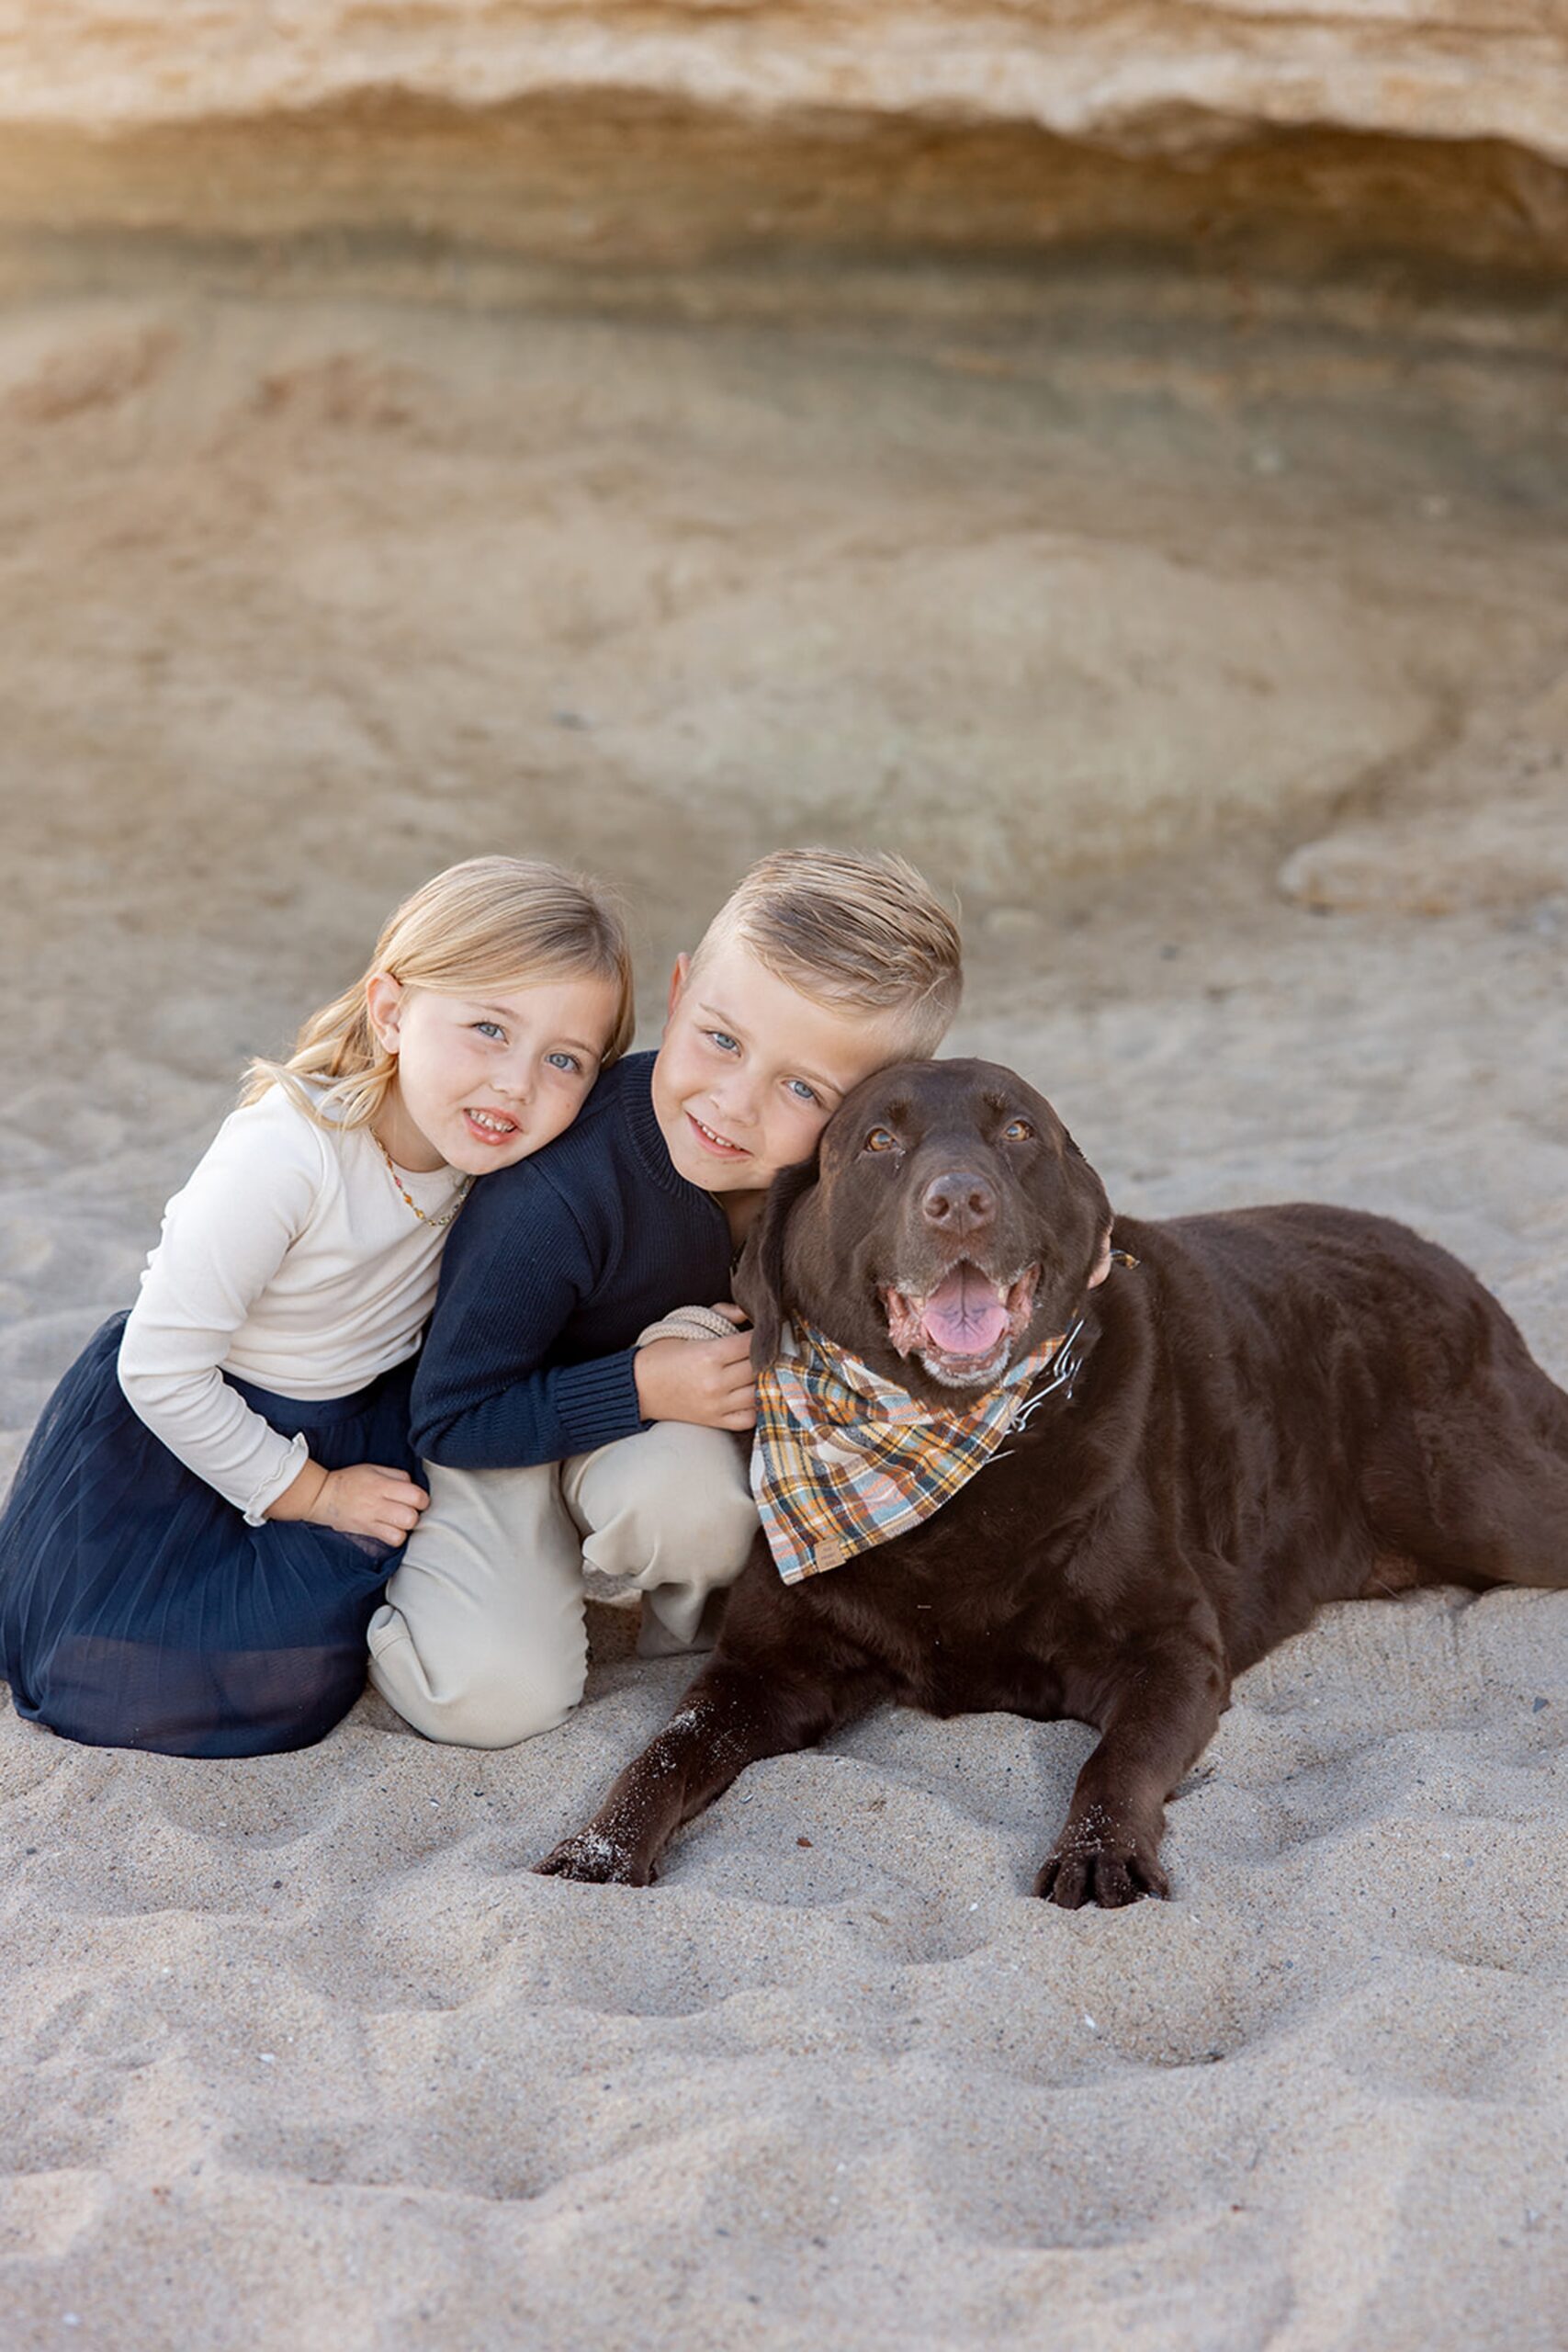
[
  {"x": 881, "y": 1139},
  {"x": 1017, "y": 1131}
]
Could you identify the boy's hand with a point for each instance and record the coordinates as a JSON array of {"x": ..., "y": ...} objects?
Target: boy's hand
[
  {"x": 706, "y": 1381},
  {"x": 366, "y": 1499}
]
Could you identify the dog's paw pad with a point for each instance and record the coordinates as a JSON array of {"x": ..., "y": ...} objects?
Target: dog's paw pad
[
  {"x": 593, "y": 1860},
  {"x": 1087, "y": 1872}
]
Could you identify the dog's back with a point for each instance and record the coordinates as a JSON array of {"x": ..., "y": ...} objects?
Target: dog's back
[{"x": 1358, "y": 1363}]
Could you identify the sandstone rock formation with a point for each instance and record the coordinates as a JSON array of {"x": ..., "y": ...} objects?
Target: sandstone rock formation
[
  {"x": 1489, "y": 829},
  {"x": 303, "y": 588},
  {"x": 654, "y": 130},
  {"x": 1508, "y": 854}
]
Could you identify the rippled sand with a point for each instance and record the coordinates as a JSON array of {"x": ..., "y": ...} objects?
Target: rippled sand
[{"x": 297, "y": 2052}]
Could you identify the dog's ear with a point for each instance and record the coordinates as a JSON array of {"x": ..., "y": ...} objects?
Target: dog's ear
[
  {"x": 1100, "y": 1209},
  {"x": 759, "y": 1278}
]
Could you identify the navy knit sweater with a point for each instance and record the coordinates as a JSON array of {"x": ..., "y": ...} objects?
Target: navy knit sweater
[{"x": 550, "y": 1273}]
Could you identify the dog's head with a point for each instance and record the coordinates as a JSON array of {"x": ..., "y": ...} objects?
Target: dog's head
[{"x": 948, "y": 1226}]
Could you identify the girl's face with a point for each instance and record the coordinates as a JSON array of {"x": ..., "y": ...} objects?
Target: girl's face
[{"x": 484, "y": 1080}]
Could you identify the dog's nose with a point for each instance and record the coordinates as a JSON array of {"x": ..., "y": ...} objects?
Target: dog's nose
[{"x": 961, "y": 1202}]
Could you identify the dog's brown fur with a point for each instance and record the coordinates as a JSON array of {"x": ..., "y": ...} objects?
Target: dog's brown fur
[{"x": 1278, "y": 1407}]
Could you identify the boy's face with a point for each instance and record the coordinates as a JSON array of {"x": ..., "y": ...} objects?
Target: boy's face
[{"x": 751, "y": 1071}]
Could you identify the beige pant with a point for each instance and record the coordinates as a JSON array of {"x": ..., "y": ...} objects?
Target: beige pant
[{"x": 482, "y": 1638}]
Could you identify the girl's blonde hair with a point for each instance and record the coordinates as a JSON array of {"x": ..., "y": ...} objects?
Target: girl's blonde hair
[{"x": 491, "y": 922}]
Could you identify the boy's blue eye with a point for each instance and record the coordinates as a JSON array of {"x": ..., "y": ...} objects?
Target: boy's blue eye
[
  {"x": 565, "y": 1061},
  {"x": 803, "y": 1093},
  {"x": 725, "y": 1044},
  {"x": 490, "y": 1028}
]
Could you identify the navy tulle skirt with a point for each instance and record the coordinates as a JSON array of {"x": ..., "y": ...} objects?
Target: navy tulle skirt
[{"x": 138, "y": 1609}]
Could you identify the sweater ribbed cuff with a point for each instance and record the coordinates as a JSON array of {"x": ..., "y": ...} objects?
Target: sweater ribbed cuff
[
  {"x": 597, "y": 1403},
  {"x": 285, "y": 1470}
]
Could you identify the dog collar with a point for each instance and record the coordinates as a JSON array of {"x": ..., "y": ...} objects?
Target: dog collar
[
  {"x": 844, "y": 1459},
  {"x": 1063, "y": 1369},
  {"x": 1067, "y": 1362}
]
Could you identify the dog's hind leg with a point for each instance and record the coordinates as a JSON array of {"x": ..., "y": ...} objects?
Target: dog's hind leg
[
  {"x": 1476, "y": 1489},
  {"x": 732, "y": 1716}
]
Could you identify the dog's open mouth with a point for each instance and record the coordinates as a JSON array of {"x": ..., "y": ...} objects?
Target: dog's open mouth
[{"x": 964, "y": 1331}]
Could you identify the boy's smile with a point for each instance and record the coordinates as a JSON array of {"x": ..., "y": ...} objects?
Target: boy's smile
[
  {"x": 751, "y": 1071},
  {"x": 712, "y": 1141}
]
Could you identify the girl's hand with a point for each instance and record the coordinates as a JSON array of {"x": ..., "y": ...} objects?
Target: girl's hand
[
  {"x": 368, "y": 1500},
  {"x": 706, "y": 1381}
]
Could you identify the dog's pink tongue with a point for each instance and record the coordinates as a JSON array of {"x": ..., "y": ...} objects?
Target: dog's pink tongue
[{"x": 965, "y": 1317}]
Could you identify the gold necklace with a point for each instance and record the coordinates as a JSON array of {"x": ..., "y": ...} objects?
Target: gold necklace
[{"x": 436, "y": 1224}]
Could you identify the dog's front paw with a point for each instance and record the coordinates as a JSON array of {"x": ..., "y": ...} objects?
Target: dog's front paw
[
  {"x": 593, "y": 1859},
  {"x": 1092, "y": 1861}
]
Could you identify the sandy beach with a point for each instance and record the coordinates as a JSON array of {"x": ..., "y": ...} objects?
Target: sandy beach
[{"x": 299, "y": 602}]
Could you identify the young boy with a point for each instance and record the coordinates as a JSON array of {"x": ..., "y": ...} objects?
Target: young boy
[{"x": 552, "y": 1438}]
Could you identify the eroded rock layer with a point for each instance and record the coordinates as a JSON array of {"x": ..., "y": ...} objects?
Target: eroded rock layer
[{"x": 685, "y": 131}]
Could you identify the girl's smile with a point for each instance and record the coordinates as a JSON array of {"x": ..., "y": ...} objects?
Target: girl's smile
[{"x": 493, "y": 1127}]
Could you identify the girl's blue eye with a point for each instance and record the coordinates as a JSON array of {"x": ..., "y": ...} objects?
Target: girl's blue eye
[
  {"x": 725, "y": 1044},
  {"x": 803, "y": 1093},
  {"x": 565, "y": 1061},
  {"x": 490, "y": 1028}
]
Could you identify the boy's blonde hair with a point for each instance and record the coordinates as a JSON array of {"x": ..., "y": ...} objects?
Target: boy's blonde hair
[
  {"x": 857, "y": 931},
  {"x": 489, "y": 923}
]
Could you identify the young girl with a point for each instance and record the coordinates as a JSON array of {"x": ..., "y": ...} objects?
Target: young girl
[{"x": 219, "y": 1487}]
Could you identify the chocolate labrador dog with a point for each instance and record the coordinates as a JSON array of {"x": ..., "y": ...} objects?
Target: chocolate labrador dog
[{"x": 1258, "y": 1413}]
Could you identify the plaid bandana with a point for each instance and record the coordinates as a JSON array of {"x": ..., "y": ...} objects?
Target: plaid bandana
[{"x": 844, "y": 1459}]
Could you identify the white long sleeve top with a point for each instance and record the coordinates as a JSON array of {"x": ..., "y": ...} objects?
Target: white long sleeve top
[{"x": 289, "y": 1260}]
